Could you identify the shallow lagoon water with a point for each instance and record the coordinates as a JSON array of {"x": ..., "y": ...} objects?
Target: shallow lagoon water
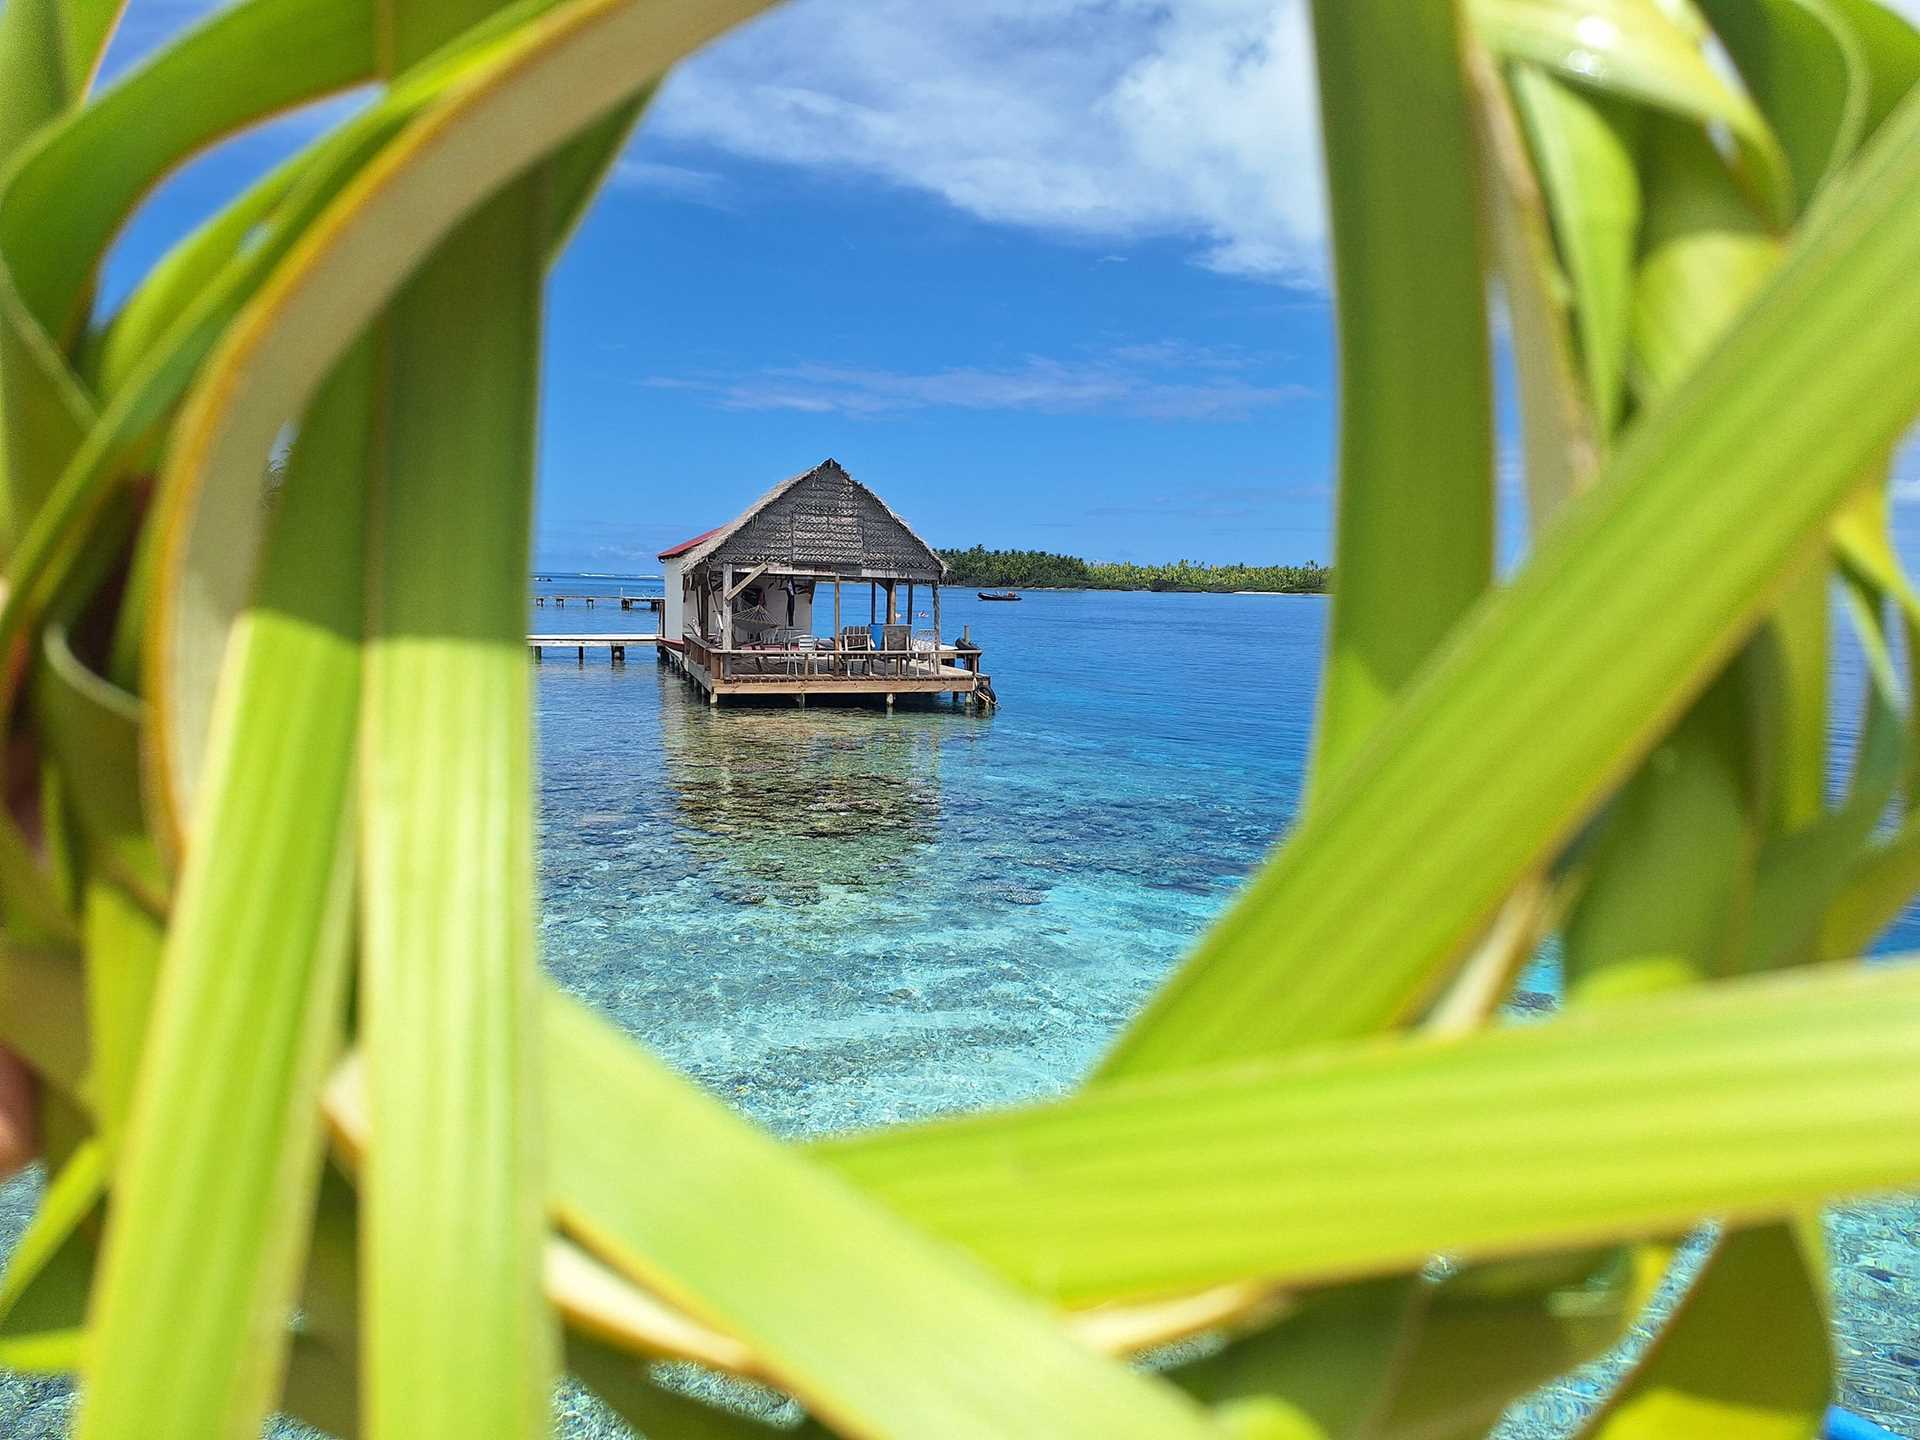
[
  {"x": 846, "y": 917},
  {"x": 837, "y": 917}
]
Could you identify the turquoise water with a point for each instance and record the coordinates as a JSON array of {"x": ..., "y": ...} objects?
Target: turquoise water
[
  {"x": 837, "y": 917},
  {"x": 841, "y": 916}
]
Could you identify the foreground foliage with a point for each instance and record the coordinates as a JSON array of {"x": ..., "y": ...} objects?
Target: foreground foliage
[{"x": 319, "y": 1139}]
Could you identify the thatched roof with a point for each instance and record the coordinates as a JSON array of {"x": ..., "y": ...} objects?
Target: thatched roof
[{"x": 822, "y": 519}]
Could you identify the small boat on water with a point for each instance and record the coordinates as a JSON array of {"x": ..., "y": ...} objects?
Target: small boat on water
[{"x": 998, "y": 595}]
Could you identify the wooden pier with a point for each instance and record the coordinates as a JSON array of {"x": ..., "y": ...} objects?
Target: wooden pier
[
  {"x": 614, "y": 645},
  {"x": 655, "y": 603}
]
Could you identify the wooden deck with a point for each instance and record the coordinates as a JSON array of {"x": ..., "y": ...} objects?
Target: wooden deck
[
  {"x": 798, "y": 674},
  {"x": 759, "y": 673}
]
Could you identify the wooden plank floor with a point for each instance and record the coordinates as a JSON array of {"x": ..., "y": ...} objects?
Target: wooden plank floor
[{"x": 593, "y": 642}]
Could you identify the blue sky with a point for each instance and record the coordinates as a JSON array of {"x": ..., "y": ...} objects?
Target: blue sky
[{"x": 1045, "y": 273}]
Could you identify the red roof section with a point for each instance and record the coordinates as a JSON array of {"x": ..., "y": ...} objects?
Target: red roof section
[{"x": 686, "y": 545}]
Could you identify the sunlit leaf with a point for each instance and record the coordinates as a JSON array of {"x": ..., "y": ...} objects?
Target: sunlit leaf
[
  {"x": 1749, "y": 1098},
  {"x": 1506, "y": 742}
]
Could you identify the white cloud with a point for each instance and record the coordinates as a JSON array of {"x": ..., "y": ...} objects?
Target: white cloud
[
  {"x": 1151, "y": 381},
  {"x": 1115, "y": 118},
  {"x": 682, "y": 181},
  {"x": 1105, "y": 118}
]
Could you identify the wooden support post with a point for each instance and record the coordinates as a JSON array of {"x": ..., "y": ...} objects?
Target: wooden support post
[
  {"x": 726, "y": 591},
  {"x": 619, "y": 654},
  {"x": 536, "y": 652},
  {"x": 561, "y": 601},
  {"x": 583, "y": 654},
  {"x": 836, "y": 614},
  {"x": 889, "y": 702},
  {"x": 939, "y": 661}
]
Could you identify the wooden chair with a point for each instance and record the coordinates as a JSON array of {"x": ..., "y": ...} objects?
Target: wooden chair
[{"x": 856, "y": 641}]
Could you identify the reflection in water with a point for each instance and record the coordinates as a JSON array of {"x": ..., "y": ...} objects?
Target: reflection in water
[{"x": 792, "y": 799}]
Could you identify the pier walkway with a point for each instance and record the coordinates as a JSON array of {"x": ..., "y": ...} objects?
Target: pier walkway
[
  {"x": 655, "y": 603},
  {"x": 615, "y": 644}
]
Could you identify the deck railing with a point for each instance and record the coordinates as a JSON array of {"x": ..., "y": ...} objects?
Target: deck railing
[{"x": 828, "y": 660}]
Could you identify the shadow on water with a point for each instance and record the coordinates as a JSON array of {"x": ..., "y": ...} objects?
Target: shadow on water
[{"x": 794, "y": 799}]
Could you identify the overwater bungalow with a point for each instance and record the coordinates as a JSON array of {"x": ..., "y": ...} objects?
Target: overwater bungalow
[{"x": 746, "y": 602}]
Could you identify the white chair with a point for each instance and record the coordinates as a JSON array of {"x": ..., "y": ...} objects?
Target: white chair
[{"x": 926, "y": 652}]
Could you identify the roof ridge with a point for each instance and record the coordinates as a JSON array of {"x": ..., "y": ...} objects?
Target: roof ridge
[{"x": 701, "y": 546}]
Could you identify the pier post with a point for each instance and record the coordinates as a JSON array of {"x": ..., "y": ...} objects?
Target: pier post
[
  {"x": 536, "y": 652},
  {"x": 619, "y": 654},
  {"x": 889, "y": 702},
  {"x": 583, "y": 654}
]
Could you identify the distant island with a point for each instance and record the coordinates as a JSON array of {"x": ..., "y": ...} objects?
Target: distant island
[{"x": 1034, "y": 569}]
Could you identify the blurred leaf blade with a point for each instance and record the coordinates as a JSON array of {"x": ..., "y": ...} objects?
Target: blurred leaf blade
[
  {"x": 457, "y": 1338},
  {"x": 1717, "y": 498},
  {"x": 93, "y": 729},
  {"x": 1751, "y": 1097},
  {"x": 71, "y": 1199},
  {"x": 1890, "y": 46},
  {"x": 912, "y": 1342},
  {"x": 219, "y": 1166},
  {"x": 1321, "y": 1372},
  {"x": 1585, "y": 147},
  {"x": 1750, "y": 1360},
  {"x": 1642, "y": 50},
  {"x": 195, "y": 90},
  {"x": 43, "y": 1012},
  {"x": 124, "y": 943},
  {"x": 566, "y": 67},
  {"x": 1558, "y": 433},
  {"x": 49, "y": 50},
  {"x": 1808, "y": 73},
  {"x": 1414, "y": 533}
]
